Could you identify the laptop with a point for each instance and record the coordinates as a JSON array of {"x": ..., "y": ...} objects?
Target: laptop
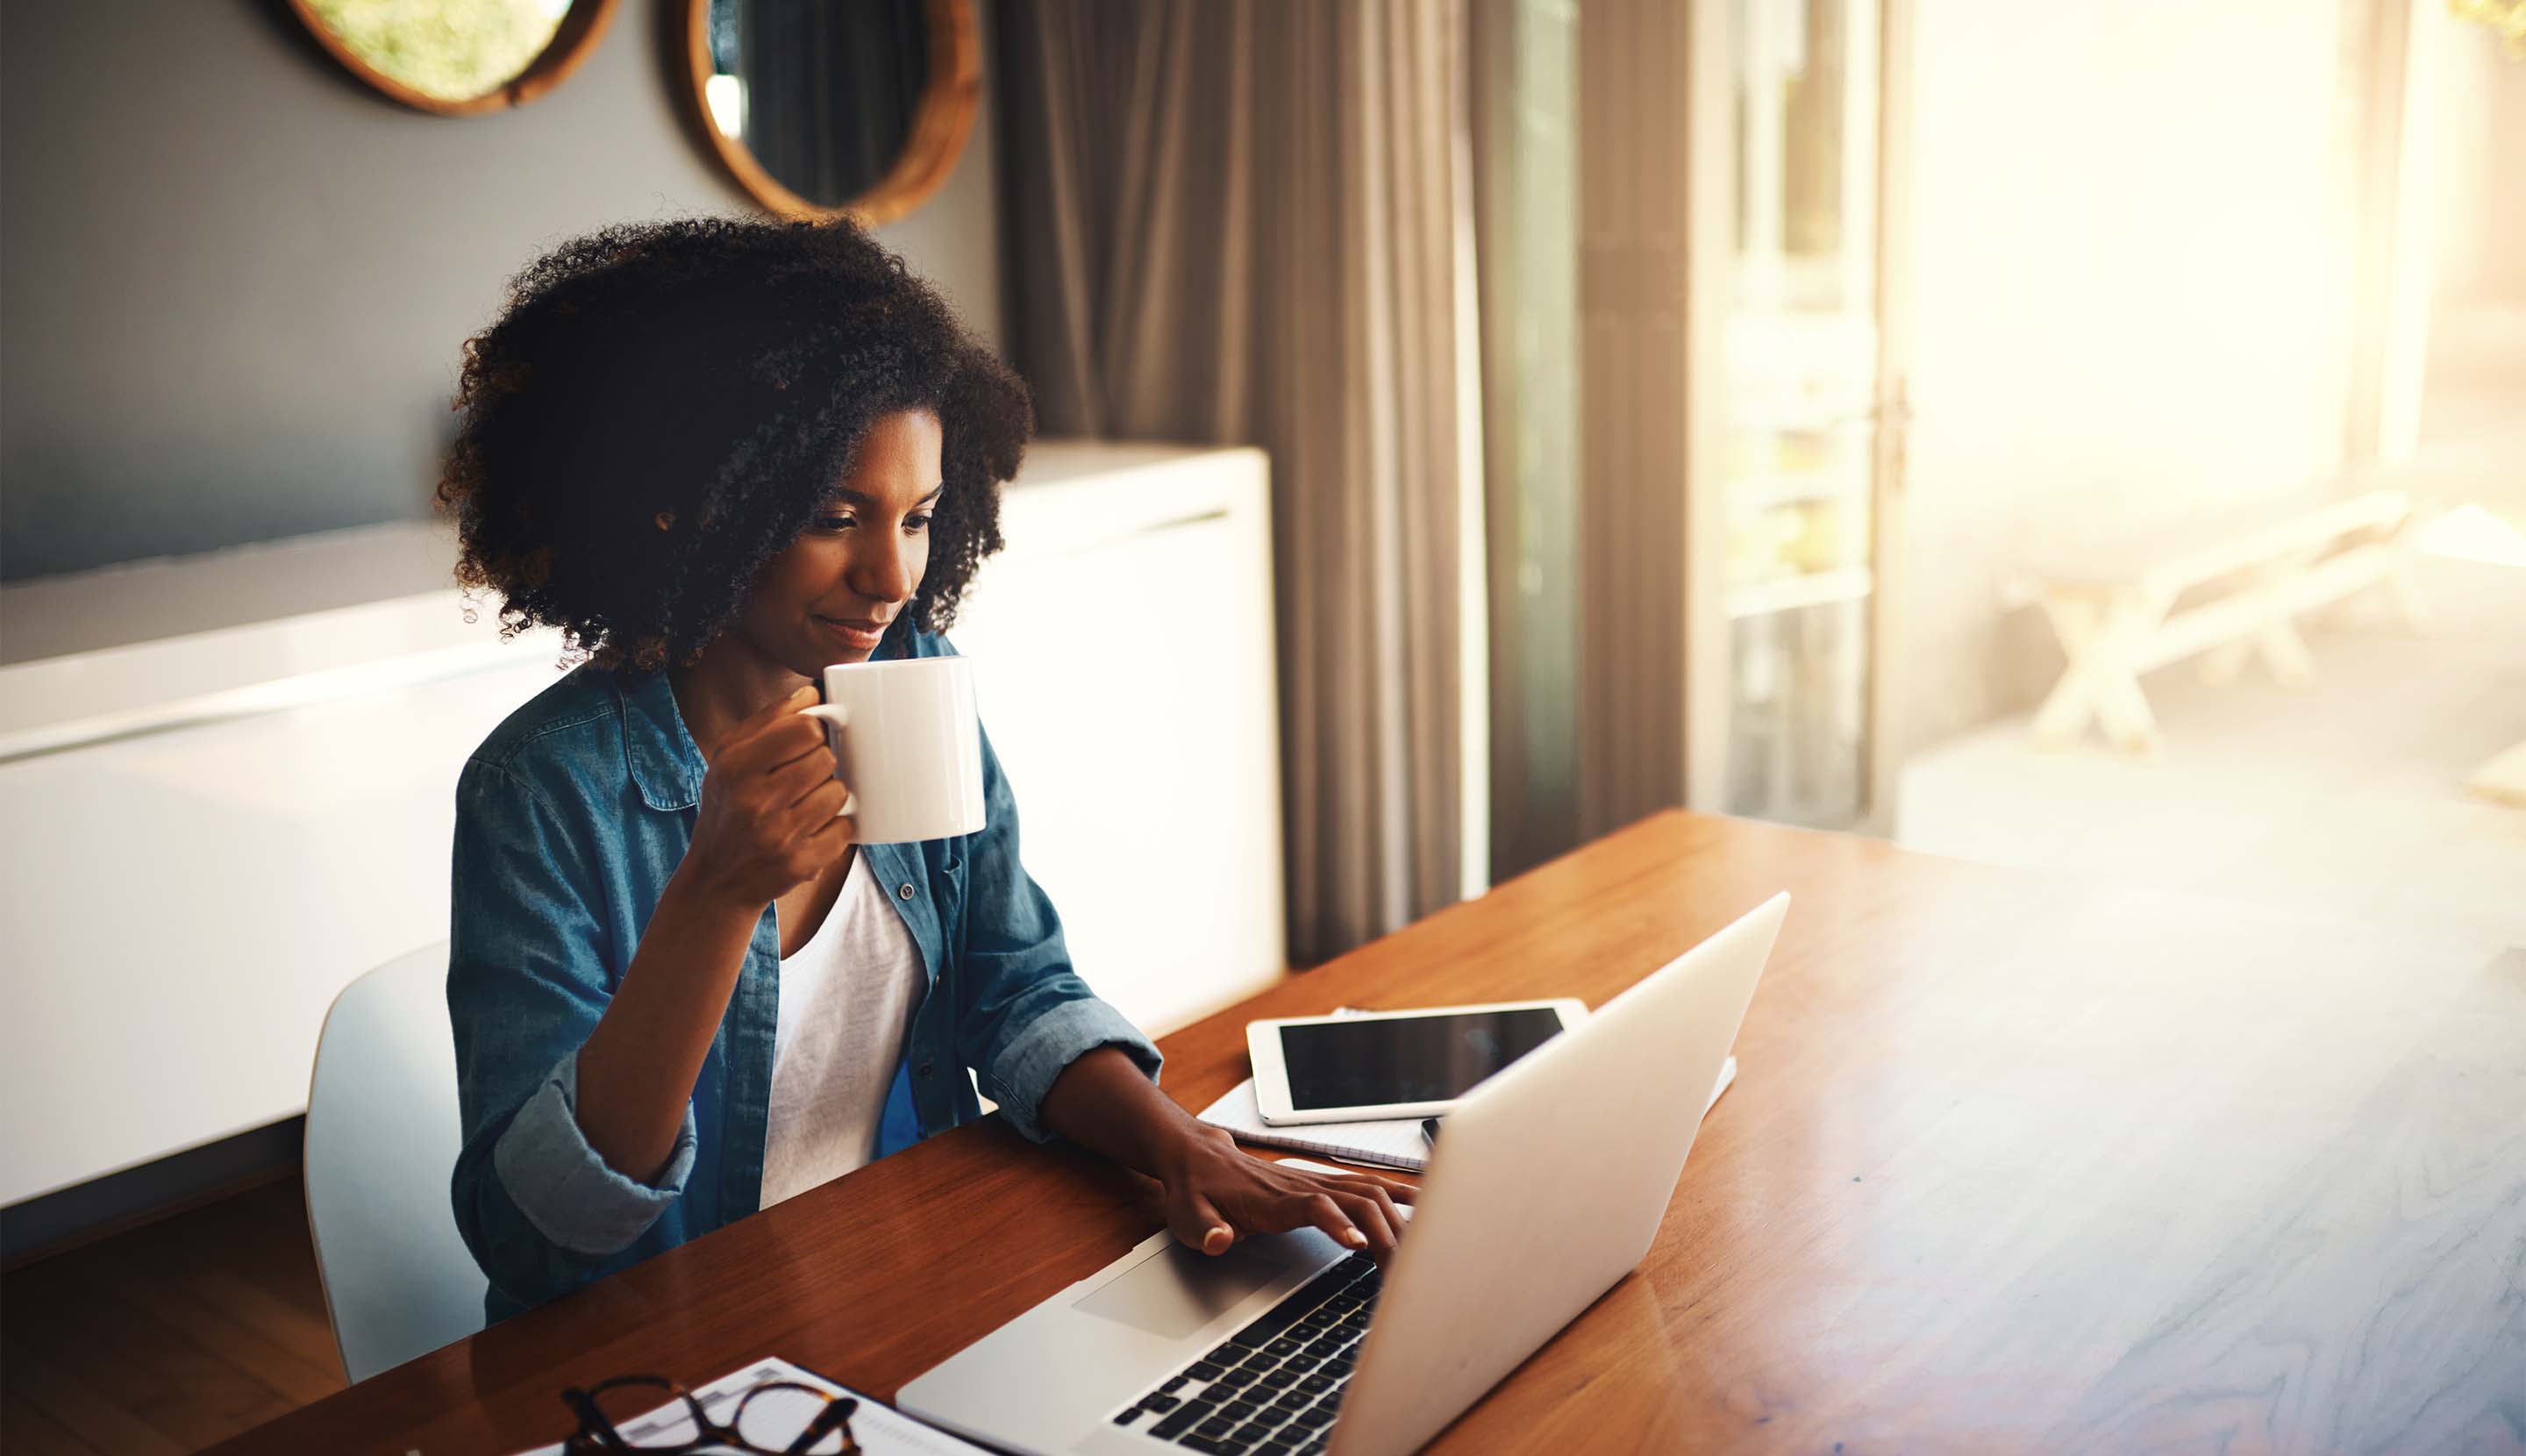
[{"x": 1545, "y": 1189}]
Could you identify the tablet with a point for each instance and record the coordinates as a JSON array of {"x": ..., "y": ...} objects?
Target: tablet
[{"x": 1393, "y": 1063}]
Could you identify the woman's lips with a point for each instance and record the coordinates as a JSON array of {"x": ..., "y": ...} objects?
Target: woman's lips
[{"x": 863, "y": 636}]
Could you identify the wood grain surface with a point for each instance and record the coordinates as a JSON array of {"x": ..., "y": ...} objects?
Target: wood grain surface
[
  {"x": 2013, "y": 1162},
  {"x": 169, "y": 1337}
]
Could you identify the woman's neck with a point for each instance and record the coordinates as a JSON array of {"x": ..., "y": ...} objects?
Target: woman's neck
[{"x": 728, "y": 683}]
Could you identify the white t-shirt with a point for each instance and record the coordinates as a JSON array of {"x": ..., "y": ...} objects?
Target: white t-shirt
[{"x": 846, "y": 1000}]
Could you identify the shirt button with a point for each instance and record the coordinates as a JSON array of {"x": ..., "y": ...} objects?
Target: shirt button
[
  {"x": 922, "y": 1070},
  {"x": 903, "y": 891}
]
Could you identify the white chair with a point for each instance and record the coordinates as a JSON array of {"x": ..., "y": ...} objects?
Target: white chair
[{"x": 382, "y": 1140}]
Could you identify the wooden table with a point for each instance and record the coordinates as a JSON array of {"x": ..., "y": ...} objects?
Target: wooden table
[{"x": 2015, "y": 1162}]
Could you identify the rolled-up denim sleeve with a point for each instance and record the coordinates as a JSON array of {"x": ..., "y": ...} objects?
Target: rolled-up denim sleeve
[
  {"x": 527, "y": 982},
  {"x": 1026, "y": 1014},
  {"x": 566, "y": 1188}
]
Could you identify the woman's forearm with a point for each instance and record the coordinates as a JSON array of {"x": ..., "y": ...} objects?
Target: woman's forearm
[
  {"x": 1104, "y": 1103},
  {"x": 638, "y": 1067},
  {"x": 1213, "y": 1190}
]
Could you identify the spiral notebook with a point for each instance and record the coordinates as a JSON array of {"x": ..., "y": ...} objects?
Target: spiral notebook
[{"x": 1388, "y": 1143}]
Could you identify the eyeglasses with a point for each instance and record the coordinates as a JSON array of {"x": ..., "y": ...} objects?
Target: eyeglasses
[{"x": 654, "y": 1417}]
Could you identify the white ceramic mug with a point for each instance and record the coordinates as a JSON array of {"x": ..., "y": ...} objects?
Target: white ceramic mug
[{"x": 908, "y": 744}]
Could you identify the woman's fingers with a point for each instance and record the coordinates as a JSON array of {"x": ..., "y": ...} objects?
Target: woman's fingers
[
  {"x": 762, "y": 745},
  {"x": 817, "y": 851},
  {"x": 1321, "y": 1210},
  {"x": 1374, "y": 1192},
  {"x": 779, "y": 791},
  {"x": 1371, "y": 1220},
  {"x": 1395, "y": 1189},
  {"x": 1282, "y": 1209},
  {"x": 832, "y": 835},
  {"x": 819, "y": 805},
  {"x": 1241, "y": 1194},
  {"x": 1197, "y": 1223},
  {"x": 807, "y": 760}
]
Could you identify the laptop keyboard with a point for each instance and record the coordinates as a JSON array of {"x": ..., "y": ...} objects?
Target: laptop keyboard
[{"x": 1271, "y": 1388}]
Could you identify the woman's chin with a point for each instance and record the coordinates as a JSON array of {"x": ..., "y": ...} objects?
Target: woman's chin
[{"x": 835, "y": 657}]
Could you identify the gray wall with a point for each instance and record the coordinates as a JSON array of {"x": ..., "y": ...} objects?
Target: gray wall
[{"x": 233, "y": 282}]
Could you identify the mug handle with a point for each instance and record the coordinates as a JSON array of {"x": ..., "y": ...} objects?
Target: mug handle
[{"x": 836, "y": 717}]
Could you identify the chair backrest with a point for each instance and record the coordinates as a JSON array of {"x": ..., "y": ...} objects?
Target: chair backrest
[{"x": 382, "y": 1141}]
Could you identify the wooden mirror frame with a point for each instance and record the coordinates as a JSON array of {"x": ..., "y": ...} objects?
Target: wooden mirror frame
[
  {"x": 580, "y": 28},
  {"x": 940, "y": 128}
]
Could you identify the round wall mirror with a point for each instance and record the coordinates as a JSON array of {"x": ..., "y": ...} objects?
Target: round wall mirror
[
  {"x": 458, "y": 57},
  {"x": 820, "y": 109}
]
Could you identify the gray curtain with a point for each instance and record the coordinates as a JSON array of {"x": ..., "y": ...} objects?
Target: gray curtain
[{"x": 1246, "y": 222}]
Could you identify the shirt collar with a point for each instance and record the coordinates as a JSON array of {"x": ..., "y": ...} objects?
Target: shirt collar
[{"x": 665, "y": 762}]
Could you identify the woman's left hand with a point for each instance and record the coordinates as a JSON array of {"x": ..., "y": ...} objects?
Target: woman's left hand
[{"x": 1216, "y": 1194}]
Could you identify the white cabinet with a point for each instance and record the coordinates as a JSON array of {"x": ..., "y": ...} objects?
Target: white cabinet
[
  {"x": 1123, "y": 648},
  {"x": 209, "y": 833}
]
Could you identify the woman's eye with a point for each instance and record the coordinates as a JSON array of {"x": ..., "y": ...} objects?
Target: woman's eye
[
  {"x": 916, "y": 523},
  {"x": 833, "y": 522}
]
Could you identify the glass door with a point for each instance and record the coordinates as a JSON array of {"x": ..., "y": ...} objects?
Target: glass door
[{"x": 1803, "y": 364}]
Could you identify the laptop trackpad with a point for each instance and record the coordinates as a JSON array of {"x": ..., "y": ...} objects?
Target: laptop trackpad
[{"x": 1177, "y": 1290}]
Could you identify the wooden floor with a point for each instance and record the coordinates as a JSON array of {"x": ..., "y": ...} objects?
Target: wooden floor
[{"x": 167, "y": 1338}]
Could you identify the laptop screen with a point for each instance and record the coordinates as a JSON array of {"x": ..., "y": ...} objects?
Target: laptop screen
[{"x": 1369, "y": 1061}]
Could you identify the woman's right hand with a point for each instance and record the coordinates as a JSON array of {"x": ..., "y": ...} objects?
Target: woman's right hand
[{"x": 770, "y": 810}]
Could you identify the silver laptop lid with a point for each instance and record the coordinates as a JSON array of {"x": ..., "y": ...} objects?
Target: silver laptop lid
[{"x": 1547, "y": 1187}]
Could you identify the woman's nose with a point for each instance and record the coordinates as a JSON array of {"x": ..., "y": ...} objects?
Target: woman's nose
[{"x": 880, "y": 574}]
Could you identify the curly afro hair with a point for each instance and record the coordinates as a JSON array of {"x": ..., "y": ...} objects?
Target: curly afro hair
[{"x": 661, "y": 408}]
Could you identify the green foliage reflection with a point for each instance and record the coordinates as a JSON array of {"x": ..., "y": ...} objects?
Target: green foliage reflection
[{"x": 453, "y": 50}]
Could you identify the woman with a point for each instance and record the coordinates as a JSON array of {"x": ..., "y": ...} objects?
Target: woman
[{"x": 720, "y": 456}]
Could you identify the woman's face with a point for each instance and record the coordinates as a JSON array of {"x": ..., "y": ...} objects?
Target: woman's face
[{"x": 830, "y": 597}]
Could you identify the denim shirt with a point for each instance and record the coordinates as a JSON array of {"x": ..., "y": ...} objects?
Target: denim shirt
[{"x": 570, "y": 817}]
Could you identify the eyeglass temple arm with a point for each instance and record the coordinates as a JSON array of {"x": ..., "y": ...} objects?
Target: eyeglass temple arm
[
  {"x": 831, "y": 1418},
  {"x": 593, "y": 1427}
]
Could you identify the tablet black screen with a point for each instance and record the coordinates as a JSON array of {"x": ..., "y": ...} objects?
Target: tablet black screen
[{"x": 1375, "y": 1060}]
